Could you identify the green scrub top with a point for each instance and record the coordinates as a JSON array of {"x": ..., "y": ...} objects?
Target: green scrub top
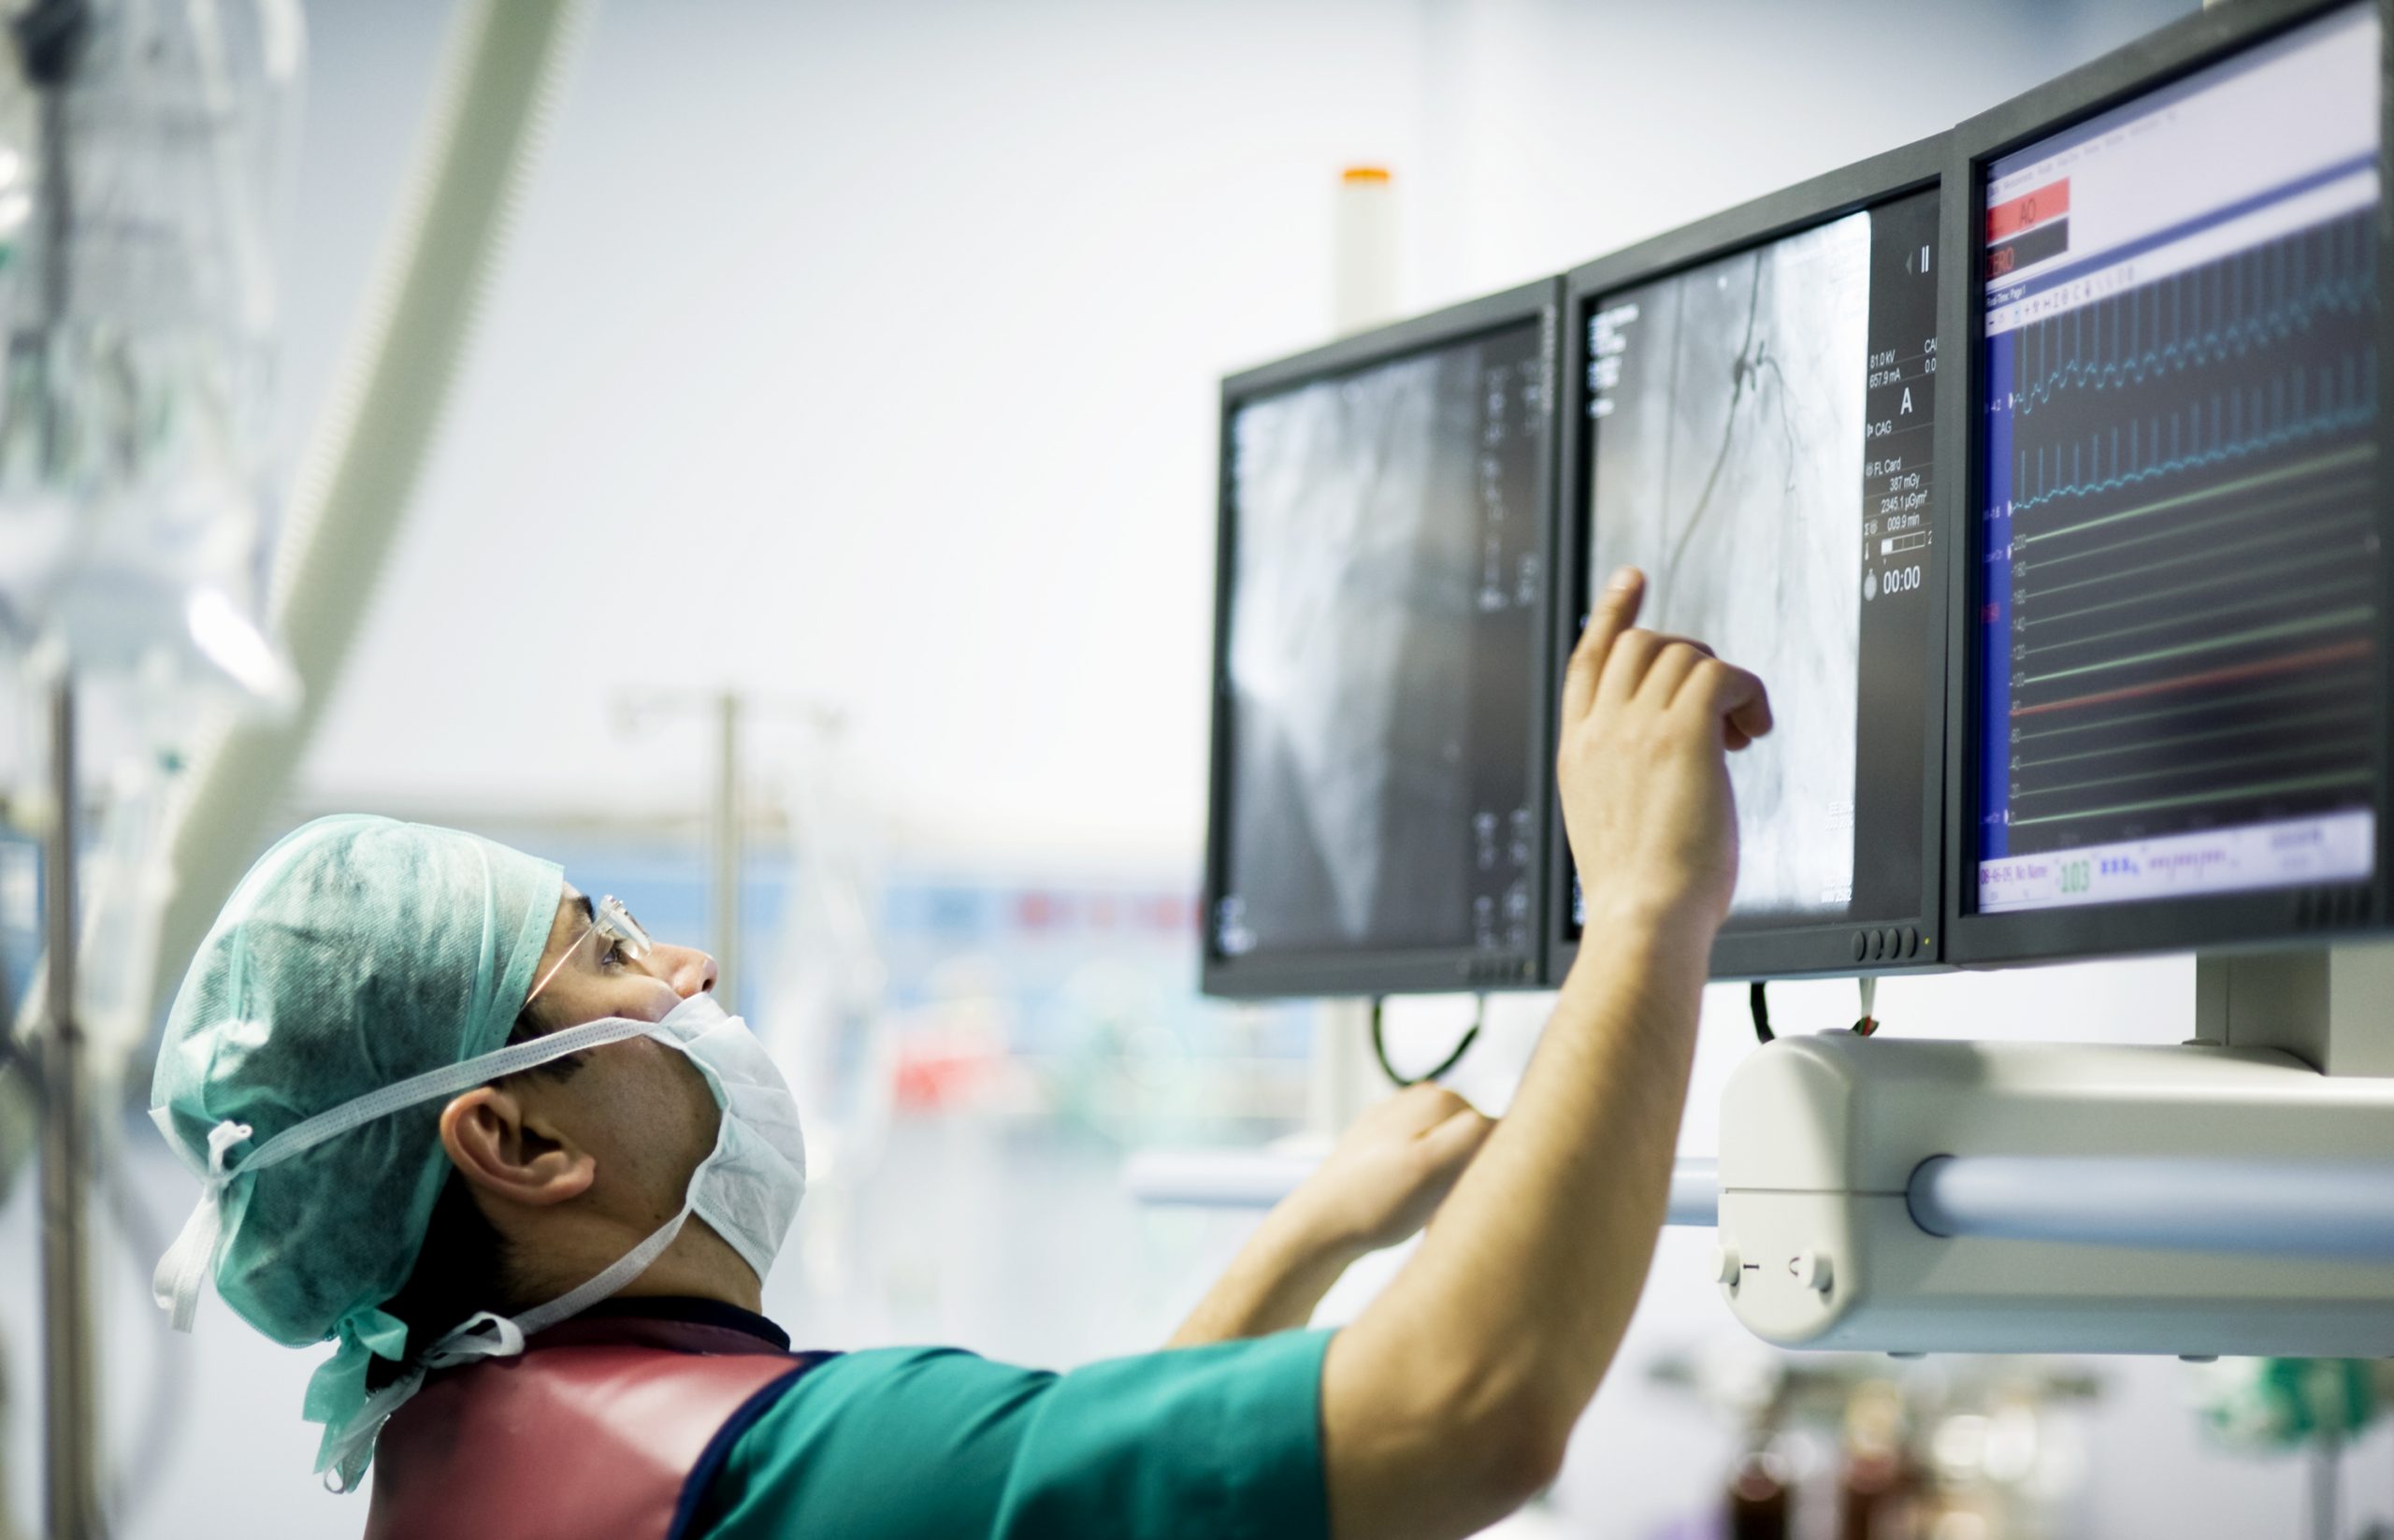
[{"x": 1221, "y": 1441}]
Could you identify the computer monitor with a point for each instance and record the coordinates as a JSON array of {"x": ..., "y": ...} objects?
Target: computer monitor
[
  {"x": 1380, "y": 753},
  {"x": 1750, "y": 411},
  {"x": 2170, "y": 728}
]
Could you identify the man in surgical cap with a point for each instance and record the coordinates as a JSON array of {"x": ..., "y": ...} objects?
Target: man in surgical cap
[{"x": 501, "y": 1147}]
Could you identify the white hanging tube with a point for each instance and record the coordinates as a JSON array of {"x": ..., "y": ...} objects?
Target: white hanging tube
[{"x": 2281, "y": 1208}]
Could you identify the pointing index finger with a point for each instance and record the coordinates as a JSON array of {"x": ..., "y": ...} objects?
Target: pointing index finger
[{"x": 1614, "y": 611}]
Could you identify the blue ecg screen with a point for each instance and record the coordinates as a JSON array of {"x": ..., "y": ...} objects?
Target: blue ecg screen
[{"x": 2177, "y": 528}]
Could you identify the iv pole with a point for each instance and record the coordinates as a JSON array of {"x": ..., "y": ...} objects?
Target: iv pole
[
  {"x": 70, "y": 1418},
  {"x": 726, "y": 819},
  {"x": 50, "y": 37}
]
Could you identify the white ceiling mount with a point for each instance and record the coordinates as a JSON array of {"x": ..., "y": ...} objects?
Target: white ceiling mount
[{"x": 2109, "y": 1200}]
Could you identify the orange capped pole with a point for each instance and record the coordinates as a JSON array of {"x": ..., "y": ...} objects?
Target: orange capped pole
[{"x": 1363, "y": 258}]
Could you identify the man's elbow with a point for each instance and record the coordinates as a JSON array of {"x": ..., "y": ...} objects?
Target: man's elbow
[
  {"x": 1430, "y": 1446},
  {"x": 1496, "y": 1446},
  {"x": 1511, "y": 1451},
  {"x": 1443, "y": 1488}
]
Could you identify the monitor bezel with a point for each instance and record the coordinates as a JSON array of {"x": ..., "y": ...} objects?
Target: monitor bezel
[
  {"x": 1843, "y": 947},
  {"x": 2273, "y": 917},
  {"x": 1409, "y": 971}
]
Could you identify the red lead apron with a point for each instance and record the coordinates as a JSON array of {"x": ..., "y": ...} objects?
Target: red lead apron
[{"x": 598, "y": 1427}]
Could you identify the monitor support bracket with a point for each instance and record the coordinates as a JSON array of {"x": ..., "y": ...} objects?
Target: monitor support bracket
[{"x": 2330, "y": 1007}]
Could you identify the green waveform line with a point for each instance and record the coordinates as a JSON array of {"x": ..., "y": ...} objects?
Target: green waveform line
[
  {"x": 2354, "y": 455},
  {"x": 2333, "y": 620},
  {"x": 2239, "y": 761},
  {"x": 2361, "y": 577},
  {"x": 2265, "y": 789},
  {"x": 2209, "y": 552},
  {"x": 2148, "y": 745},
  {"x": 2240, "y": 577}
]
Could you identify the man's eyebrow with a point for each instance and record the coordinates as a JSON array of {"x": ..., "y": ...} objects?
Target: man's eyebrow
[{"x": 589, "y": 910}]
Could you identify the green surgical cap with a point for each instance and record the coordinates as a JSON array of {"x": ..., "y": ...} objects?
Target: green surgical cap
[{"x": 358, "y": 951}]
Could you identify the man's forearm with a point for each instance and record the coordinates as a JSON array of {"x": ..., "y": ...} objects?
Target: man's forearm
[
  {"x": 1273, "y": 1285},
  {"x": 1555, "y": 1224},
  {"x": 1513, "y": 1307}
]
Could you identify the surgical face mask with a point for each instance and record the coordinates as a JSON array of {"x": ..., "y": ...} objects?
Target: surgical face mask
[
  {"x": 747, "y": 1189},
  {"x": 749, "y": 1185}
]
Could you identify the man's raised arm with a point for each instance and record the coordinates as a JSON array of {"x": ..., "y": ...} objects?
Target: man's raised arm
[{"x": 1449, "y": 1402}]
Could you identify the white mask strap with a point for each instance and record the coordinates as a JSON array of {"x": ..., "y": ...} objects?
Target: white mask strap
[
  {"x": 190, "y": 1261},
  {"x": 609, "y": 1281},
  {"x": 449, "y": 1080}
]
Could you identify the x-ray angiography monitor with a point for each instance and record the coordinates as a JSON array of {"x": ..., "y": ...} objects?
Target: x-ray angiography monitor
[
  {"x": 2177, "y": 698},
  {"x": 1755, "y": 429},
  {"x": 1378, "y": 821}
]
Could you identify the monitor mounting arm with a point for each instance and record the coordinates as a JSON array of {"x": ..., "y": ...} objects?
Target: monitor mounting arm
[{"x": 2092, "y": 1198}]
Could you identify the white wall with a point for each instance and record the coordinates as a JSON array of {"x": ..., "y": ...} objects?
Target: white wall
[{"x": 867, "y": 354}]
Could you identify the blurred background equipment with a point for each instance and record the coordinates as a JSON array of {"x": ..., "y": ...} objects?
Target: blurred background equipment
[
  {"x": 132, "y": 502},
  {"x": 136, "y": 471},
  {"x": 1866, "y": 1448}
]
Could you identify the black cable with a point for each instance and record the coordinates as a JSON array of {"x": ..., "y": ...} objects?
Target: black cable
[
  {"x": 1379, "y": 1046},
  {"x": 1758, "y": 1002}
]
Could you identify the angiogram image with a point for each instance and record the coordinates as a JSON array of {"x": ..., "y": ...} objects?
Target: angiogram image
[
  {"x": 1728, "y": 465},
  {"x": 1356, "y": 594}
]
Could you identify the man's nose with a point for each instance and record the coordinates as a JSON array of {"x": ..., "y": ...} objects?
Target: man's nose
[{"x": 689, "y": 971}]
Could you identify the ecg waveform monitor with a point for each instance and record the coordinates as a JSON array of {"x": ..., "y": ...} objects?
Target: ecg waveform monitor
[{"x": 2176, "y": 688}]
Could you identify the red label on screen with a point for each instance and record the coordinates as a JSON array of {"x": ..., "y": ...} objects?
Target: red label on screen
[{"x": 2051, "y": 201}]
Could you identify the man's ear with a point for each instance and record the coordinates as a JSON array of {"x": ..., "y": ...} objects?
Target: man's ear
[{"x": 500, "y": 1151}]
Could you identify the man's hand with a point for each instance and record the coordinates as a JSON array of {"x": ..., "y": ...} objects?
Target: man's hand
[
  {"x": 1646, "y": 795},
  {"x": 1382, "y": 1182},
  {"x": 1388, "y": 1172}
]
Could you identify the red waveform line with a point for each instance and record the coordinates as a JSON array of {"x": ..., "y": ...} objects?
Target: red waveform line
[{"x": 2342, "y": 652}]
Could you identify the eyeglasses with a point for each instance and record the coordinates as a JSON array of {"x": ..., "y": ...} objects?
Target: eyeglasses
[{"x": 614, "y": 923}]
